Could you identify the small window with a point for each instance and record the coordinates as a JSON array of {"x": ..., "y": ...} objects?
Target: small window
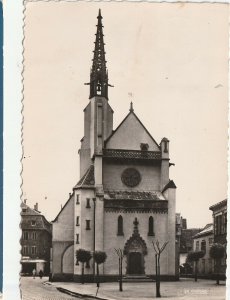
[
  {"x": 25, "y": 235},
  {"x": 77, "y": 221},
  {"x": 151, "y": 226},
  {"x": 24, "y": 210},
  {"x": 25, "y": 250},
  {"x": 34, "y": 235},
  {"x": 87, "y": 224},
  {"x": 144, "y": 147},
  {"x": 203, "y": 246},
  {"x": 33, "y": 250},
  {"x": 88, "y": 203},
  {"x": 77, "y": 238},
  {"x": 165, "y": 146},
  {"x": 197, "y": 245},
  {"x": 33, "y": 223},
  {"x": 120, "y": 226},
  {"x": 77, "y": 199},
  {"x": 210, "y": 241}
]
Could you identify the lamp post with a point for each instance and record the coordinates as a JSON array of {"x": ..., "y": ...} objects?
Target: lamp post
[{"x": 94, "y": 231}]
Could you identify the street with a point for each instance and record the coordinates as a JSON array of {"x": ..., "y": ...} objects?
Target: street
[
  {"x": 186, "y": 289},
  {"x": 35, "y": 289}
]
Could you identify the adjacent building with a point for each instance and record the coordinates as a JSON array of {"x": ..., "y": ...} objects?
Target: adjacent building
[
  {"x": 219, "y": 213},
  {"x": 202, "y": 241},
  {"x": 124, "y": 198},
  {"x": 36, "y": 240}
]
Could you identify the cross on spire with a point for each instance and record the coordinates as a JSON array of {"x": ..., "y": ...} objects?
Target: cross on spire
[{"x": 99, "y": 73}]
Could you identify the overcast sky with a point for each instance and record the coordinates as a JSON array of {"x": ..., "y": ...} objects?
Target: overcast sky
[{"x": 171, "y": 57}]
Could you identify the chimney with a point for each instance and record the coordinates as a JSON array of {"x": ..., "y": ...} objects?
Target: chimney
[{"x": 36, "y": 206}]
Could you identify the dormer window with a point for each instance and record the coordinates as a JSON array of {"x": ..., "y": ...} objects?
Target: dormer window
[
  {"x": 33, "y": 223},
  {"x": 144, "y": 146}
]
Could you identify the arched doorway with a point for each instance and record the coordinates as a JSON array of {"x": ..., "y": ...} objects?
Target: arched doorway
[{"x": 135, "y": 249}]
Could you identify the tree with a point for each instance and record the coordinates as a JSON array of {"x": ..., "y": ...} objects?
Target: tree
[
  {"x": 158, "y": 250},
  {"x": 83, "y": 256},
  {"x": 120, "y": 255},
  {"x": 194, "y": 256},
  {"x": 99, "y": 258},
  {"x": 217, "y": 252}
]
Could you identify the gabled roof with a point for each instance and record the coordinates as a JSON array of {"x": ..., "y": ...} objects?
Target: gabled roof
[
  {"x": 70, "y": 197},
  {"x": 26, "y": 210},
  {"x": 218, "y": 205},
  {"x": 131, "y": 112},
  {"x": 169, "y": 185},
  {"x": 207, "y": 230},
  {"x": 87, "y": 179}
]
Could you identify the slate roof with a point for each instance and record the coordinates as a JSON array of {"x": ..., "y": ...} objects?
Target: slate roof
[
  {"x": 28, "y": 214},
  {"x": 169, "y": 185},
  {"x": 27, "y": 211},
  {"x": 207, "y": 230},
  {"x": 87, "y": 179},
  {"x": 218, "y": 205},
  {"x": 131, "y": 112},
  {"x": 136, "y": 154},
  {"x": 133, "y": 195}
]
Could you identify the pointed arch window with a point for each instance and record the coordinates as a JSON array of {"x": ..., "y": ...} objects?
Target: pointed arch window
[
  {"x": 151, "y": 226},
  {"x": 120, "y": 226}
]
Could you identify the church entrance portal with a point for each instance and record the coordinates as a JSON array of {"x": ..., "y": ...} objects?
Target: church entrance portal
[
  {"x": 135, "y": 249},
  {"x": 135, "y": 263}
]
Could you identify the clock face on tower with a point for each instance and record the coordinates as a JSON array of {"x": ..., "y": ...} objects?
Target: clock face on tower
[{"x": 131, "y": 177}]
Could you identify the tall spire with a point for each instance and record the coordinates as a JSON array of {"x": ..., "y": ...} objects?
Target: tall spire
[{"x": 99, "y": 73}]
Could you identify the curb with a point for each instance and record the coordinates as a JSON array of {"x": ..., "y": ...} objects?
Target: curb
[{"x": 75, "y": 294}]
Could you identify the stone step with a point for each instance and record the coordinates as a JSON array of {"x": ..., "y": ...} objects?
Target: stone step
[{"x": 137, "y": 278}]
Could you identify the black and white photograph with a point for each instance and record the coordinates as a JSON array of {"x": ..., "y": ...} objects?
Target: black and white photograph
[{"x": 125, "y": 141}]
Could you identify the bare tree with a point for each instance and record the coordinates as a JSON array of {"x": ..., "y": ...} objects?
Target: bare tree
[
  {"x": 120, "y": 255},
  {"x": 158, "y": 250}
]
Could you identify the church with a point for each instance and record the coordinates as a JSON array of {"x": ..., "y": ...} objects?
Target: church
[{"x": 124, "y": 198}]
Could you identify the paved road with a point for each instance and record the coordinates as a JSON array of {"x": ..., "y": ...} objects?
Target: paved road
[{"x": 35, "y": 289}]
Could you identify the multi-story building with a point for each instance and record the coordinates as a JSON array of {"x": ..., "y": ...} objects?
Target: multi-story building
[
  {"x": 36, "y": 240},
  {"x": 202, "y": 241},
  {"x": 124, "y": 198},
  {"x": 219, "y": 213}
]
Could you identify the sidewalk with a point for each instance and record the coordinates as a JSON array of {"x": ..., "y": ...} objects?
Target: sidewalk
[{"x": 185, "y": 289}]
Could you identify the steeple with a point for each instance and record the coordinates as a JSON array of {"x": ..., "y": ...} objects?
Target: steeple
[{"x": 99, "y": 73}]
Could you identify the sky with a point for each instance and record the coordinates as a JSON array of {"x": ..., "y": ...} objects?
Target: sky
[{"x": 173, "y": 58}]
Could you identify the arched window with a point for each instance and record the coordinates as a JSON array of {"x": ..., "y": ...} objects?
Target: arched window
[
  {"x": 151, "y": 226},
  {"x": 203, "y": 246},
  {"x": 120, "y": 226}
]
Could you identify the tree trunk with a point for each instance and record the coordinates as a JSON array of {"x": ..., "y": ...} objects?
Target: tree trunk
[
  {"x": 196, "y": 270},
  {"x": 82, "y": 273},
  {"x": 98, "y": 283},
  {"x": 121, "y": 288},
  {"x": 158, "y": 294},
  {"x": 218, "y": 261}
]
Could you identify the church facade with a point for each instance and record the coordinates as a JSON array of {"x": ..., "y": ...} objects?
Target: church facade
[{"x": 124, "y": 198}]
